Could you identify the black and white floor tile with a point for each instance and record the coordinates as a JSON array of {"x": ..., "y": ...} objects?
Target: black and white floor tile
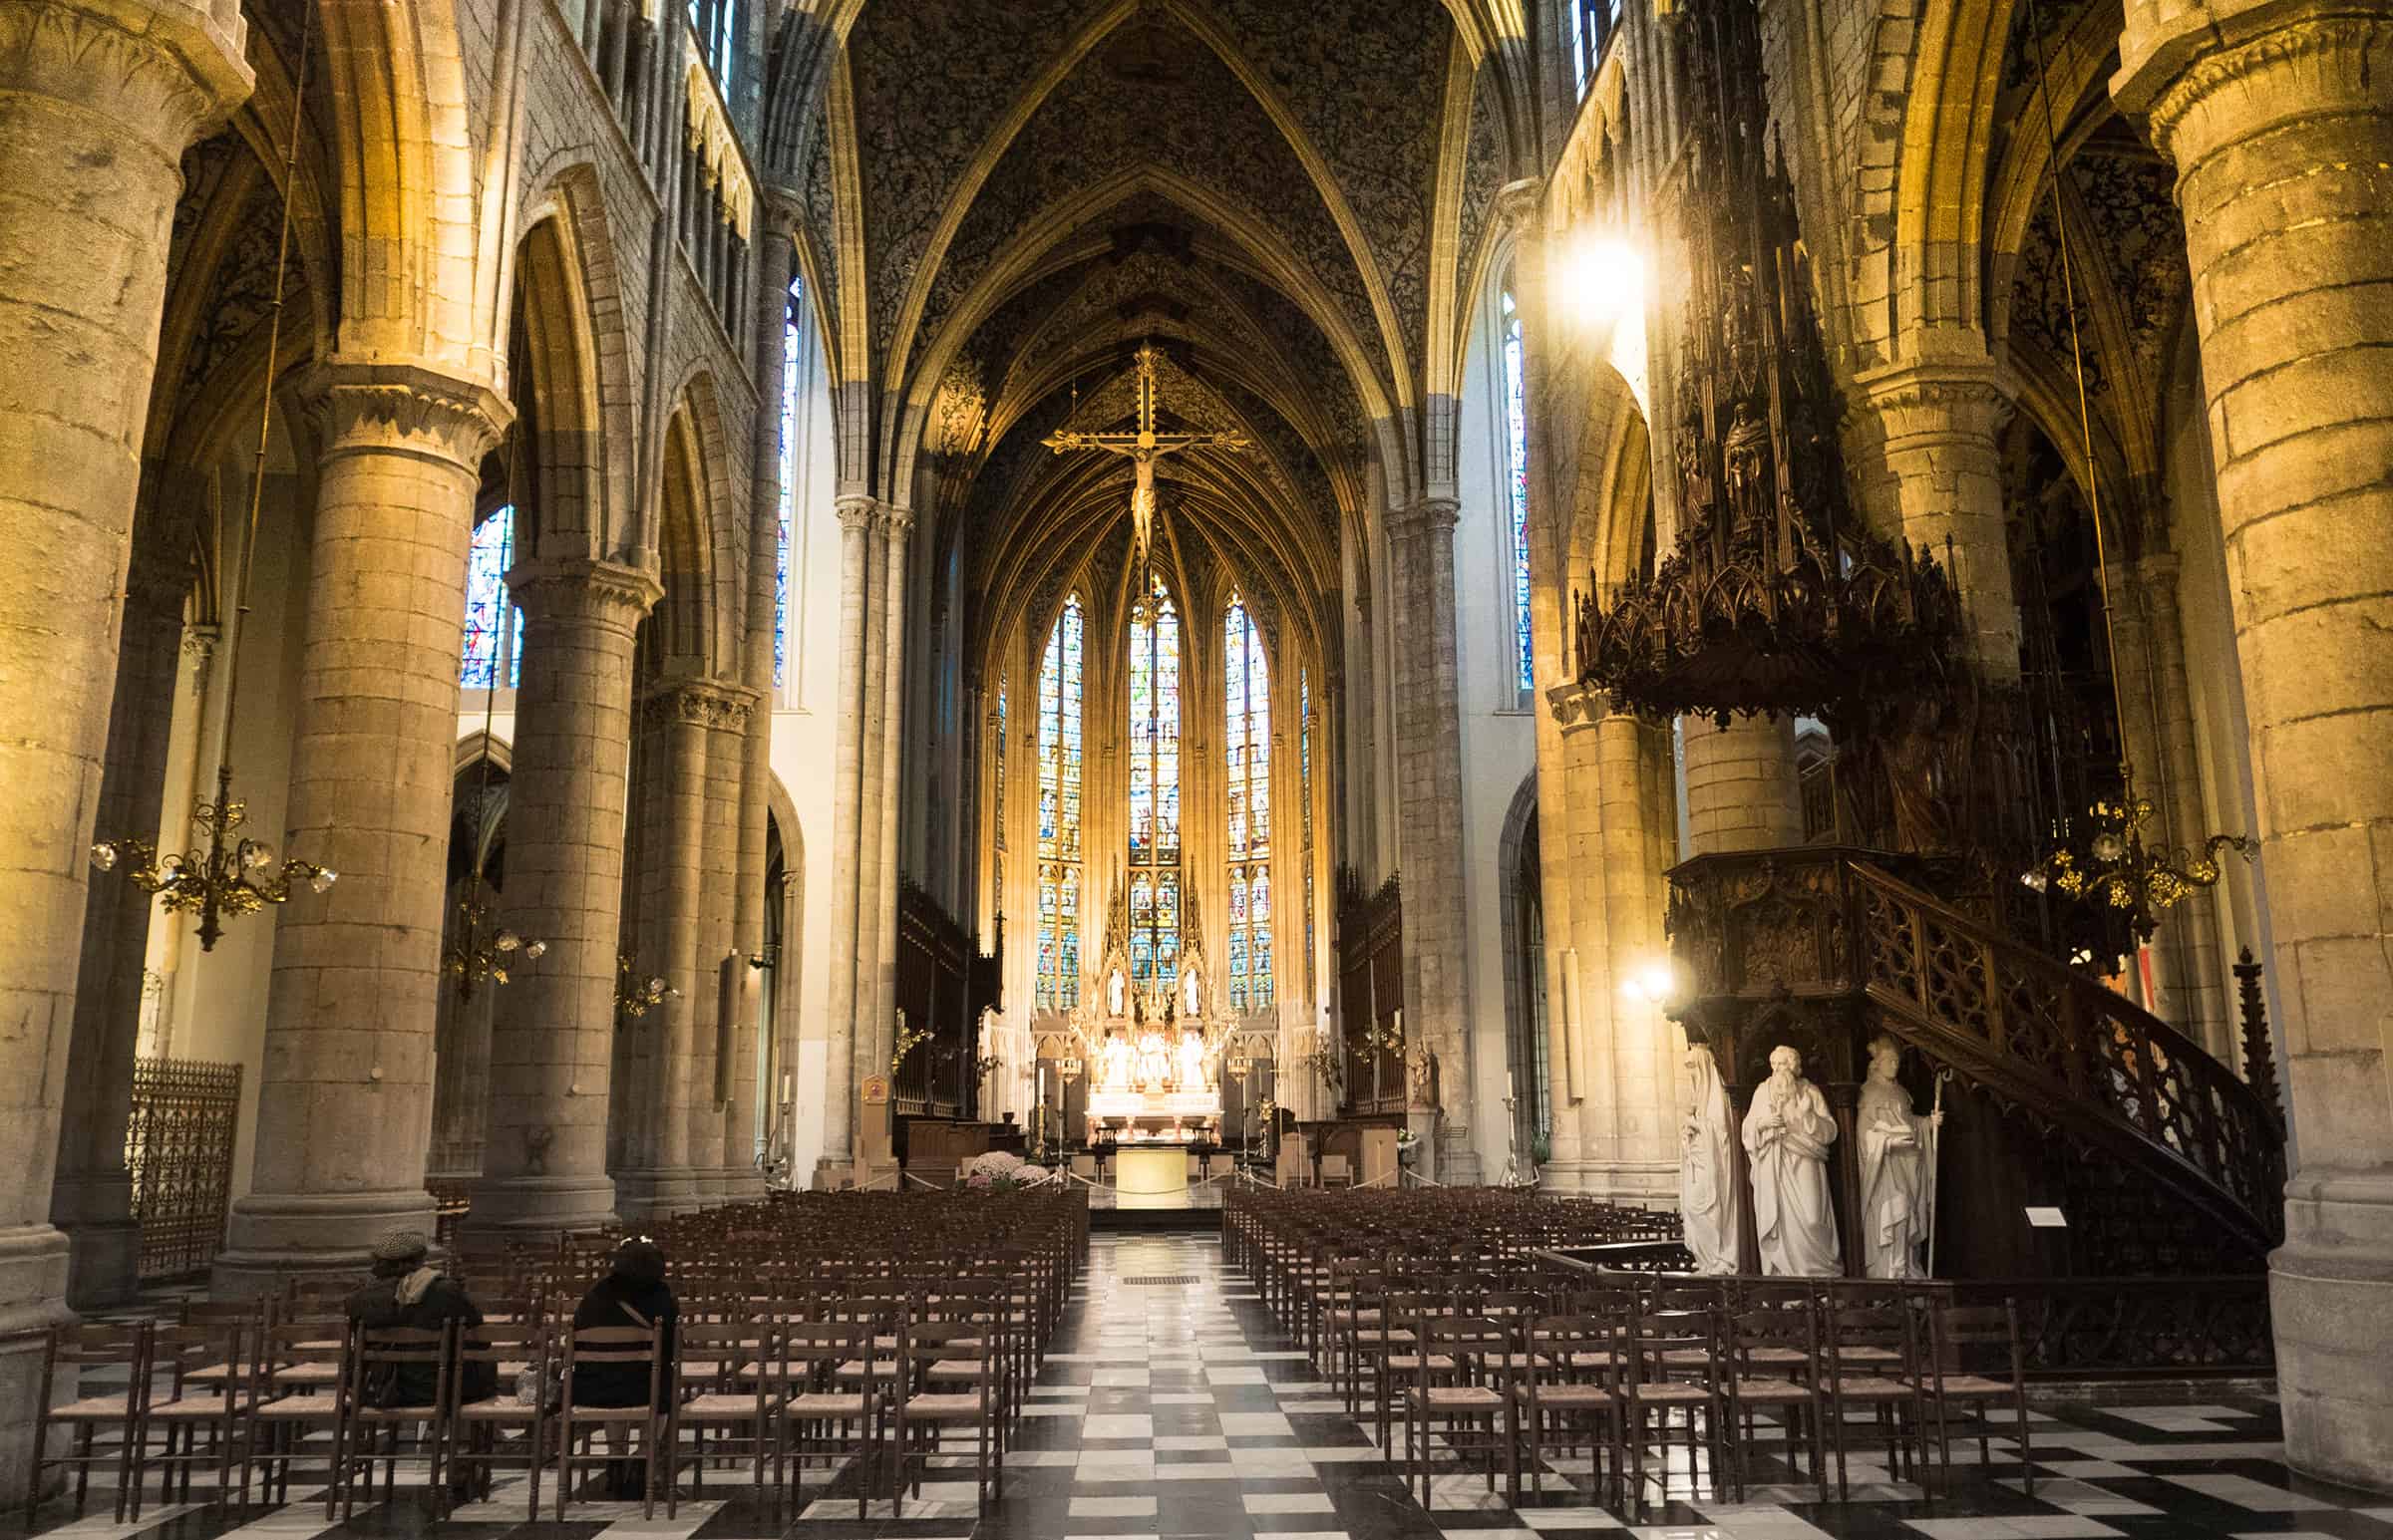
[{"x": 1173, "y": 1408}]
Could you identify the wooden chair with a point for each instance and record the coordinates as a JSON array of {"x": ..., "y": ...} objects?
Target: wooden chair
[
  {"x": 1873, "y": 1362},
  {"x": 927, "y": 1413},
  {"x": 389, "y": 1423},
  {"x": 729, "y": 1380},
  {"x": 1569, "y": 1396},
  {"x": 1337, "y": 1171},
  {"x": 831, "y": 1416},
  {"x": 1673, "y": 1364},
  {"x": 1986, "y": 1335},
  {"x": 74, "y": 1351},
  {"x": 299, "y": 1383},
  {"x": 206, "y": 1393},
  {"x": 520, "y": 1356},
  {"x": 1456, "y": 1382},
  {"x": 626, "y": 1347},
  {"x": 1774, "y": 1364}
]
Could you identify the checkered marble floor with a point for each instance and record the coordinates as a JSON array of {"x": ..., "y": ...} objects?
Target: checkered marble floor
[{"x": 1173, "y": 1407}]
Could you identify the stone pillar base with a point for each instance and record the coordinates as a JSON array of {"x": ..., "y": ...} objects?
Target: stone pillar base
[
  {"x": 544, "y": 1204},
  {"x": 2330, "y": 1298},
  {"x": 742, "y": 1184},
  {"x": 104, "y": 1245},
  {"x": 1634, "y": 1181},
  {"x": 643, "y": 1198},
  {"x": 277, "y": 1237},
  {"x": 33, "y": 1286}
]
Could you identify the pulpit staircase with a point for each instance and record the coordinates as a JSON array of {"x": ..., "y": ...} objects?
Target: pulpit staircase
[
  {"x": 2078, "y": 1060},
  {"x": 2165, "y": 1160}
]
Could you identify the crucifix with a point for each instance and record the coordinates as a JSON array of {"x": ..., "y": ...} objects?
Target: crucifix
[{"x": 1143, "y": 449}]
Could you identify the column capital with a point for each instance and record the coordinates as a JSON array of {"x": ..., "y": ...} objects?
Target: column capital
[
  {"x": 1430, "y": 515},
  {"x": 2173, "y": 66},
  {"x": 1940, "y": 398},
  {"x": 1517, "y": 205},
  {"x": 404, "y": 409},
  {"x": 1578, "y": 705},
  {"x": 169, "y": 69},
  {"x": 896, "y": 522},
  {"x": 580, "y": 585},
  {"x": 856, "y": 511},
  {"x": 714, "y": 704}
]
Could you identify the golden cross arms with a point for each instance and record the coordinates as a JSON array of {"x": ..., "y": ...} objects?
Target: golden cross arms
[{"x": 1143, "y": 449}]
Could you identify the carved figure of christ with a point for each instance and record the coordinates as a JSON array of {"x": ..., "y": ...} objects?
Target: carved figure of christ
[{"x": 1143, "y": 449}]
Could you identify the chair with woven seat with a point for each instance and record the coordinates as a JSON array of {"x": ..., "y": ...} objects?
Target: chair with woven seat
[
  {"x": 518, "y": 1356},
  {"x": 298, "y": 1381},
  {"x": 1673, "y": 1365},
  {"x": 1974, "y": 1361},
  {"x": 1774, "y": 1364},
  {"x": 398, "y": 1390},
  {"x": 206, "y": 1395},
  {"x": 638, "y": 1349},
  {"x": 930, "y": 1410},
  {"x": 1873, "y": 1362},
  {"x": 831, "y": 1414},
  {"x": 74, "y": 1354},
  {"x": 1569, "y": 1394},
  {"x": 729, "y": 1380},
  {"x": 1457, "y": 1383}
]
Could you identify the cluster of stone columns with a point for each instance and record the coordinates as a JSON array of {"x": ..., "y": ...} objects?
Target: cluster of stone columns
[
  {"x": 2279, "y": 118},
  {"x": 1428, "y": 793},
  {"x": 863, "y": 923},
  {"x": 92, "y": 155}
]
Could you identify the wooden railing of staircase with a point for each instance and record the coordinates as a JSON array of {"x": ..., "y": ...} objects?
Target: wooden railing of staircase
[{"x": 2034, "y": 1032}]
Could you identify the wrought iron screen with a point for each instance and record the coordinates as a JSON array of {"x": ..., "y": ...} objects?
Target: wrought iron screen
[{"x": 178, "y": 1147}]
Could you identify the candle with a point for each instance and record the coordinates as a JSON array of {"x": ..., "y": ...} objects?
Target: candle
[{"x": 1508, "y": 1086}]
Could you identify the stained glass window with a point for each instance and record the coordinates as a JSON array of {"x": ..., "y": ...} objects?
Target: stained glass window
[
  {"x": 1248, "y": 761},
  {"x": 493, "y": 627},
  {"x": 791, "y": 339},
  {"x": 1058, "y": 812},
  {"x": 997, "y": 799},
  {"x": 1155, "y": 791},
  {"x": 1304, "y": 784},
  {"x": 1516, "y": 423}
]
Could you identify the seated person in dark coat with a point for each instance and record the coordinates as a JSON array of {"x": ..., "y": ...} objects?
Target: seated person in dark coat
[
  {"x": 632, "y": 1294},
  {"x": 408, "y": 1291}
]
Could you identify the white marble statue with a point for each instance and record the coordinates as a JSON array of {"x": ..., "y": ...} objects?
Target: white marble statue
[
  {"x": 1709, "y": 1199},
  {"x": 1116, "y": 988},
  {"x": 1191, "y": 995},
  {"x": 1898, "y": 1180},
  {"x": 1120, "y": 1070},
  {"x": 1191, "y": 1062},
  {"x": 1788, "y": 1132}
]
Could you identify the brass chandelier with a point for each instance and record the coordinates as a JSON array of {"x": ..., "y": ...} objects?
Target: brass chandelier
[
  {"x": 2108, "y": 863},
  {"x": 234, "y": 876},
  {"x": 636, "y": 997}
]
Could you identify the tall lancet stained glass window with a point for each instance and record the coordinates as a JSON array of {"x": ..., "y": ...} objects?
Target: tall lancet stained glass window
[
  {"x": 493, "y": 627},
  {"x": 1058, "y": 812},
  {"x": 1154, "y": 791},
  {"x": 791, "y": 342},
  {"x": 1515, "y": 446},
  {"x": 1248, "y": 696}
]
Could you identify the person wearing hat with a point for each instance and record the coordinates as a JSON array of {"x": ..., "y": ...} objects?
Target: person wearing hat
[{"x": 407, "y": 1291}]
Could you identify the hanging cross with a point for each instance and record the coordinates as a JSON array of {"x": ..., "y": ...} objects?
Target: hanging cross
[{"x": 1142, "y": 449}]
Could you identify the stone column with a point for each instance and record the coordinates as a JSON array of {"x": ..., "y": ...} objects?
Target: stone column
[
  {"x": 898, "y": 524},
  {"x": 1428, "y": 790},
  {"x": 543, "y": 1163},
  {"x": 1922, "y": 446},
  {"x": 872, "y": 722},
  {"x": 344, "y": 1107},
  {"x": 728, "y": 1118},
  {"x": 1642, "y": 1072},
  {"x": 96, "y": 105},
  {"x": 2279, "y": 118},
  {"x": 838, "y": 1096},
  {"x": 662, "y": 1148},
  {"x": 2160, "y": 729},
  {"x": 93, "y": 1199},
  {"x": 1742, "y": 791},
  {"x": 1585, "y": 1123}
]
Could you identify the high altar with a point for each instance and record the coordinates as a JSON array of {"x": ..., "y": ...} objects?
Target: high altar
[{"x": 1154, "y": 1056}]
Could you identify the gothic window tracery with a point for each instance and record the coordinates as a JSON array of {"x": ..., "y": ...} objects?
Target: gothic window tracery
[
  {"x": 493, "y": 651},
  {"x": 1155, "y": 890},
  {"x": 1058, "y": 812},
  {"x": 1516, "y": 445},
  {"x": 1248, "y": 696}
]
